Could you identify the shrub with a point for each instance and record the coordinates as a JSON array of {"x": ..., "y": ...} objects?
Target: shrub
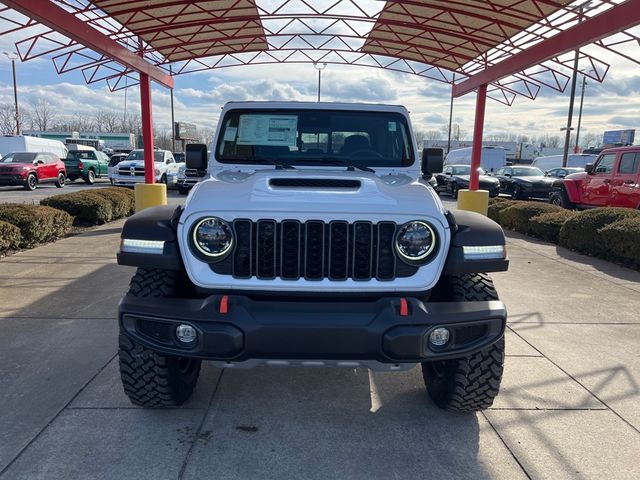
[
  {"x": 517, "y": 217},
  {"x": 497, "y": 205},
  {"x": 9, "y": 236},
  {"x": 581, "y": 231},
  {"x": 547, "y": 225},
  {"x": 622, "y": 239},
  {"x": 123, "y": 202},
  {"x": 85, "y": 206},
  {"x": 37, "y": 223}
]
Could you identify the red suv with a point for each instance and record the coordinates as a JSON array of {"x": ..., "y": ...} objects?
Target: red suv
[
  {"x": 30, "y": 169},
  {"x": 612, "y": 181}
]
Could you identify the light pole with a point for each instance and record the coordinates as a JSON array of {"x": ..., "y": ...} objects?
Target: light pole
[
  {"x": 319, "y": 67},
  {"x": 453, "y": 82},
  {"x": 173, "y": 120},
  {"x": 584, "y": 84},
  {"x": 12, "y": 56}
]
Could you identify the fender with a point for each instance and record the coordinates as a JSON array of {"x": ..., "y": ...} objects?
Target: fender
[
  {"x": 470, "y": 229},
  {"x": 155, "y": 224},
  {"x": 571, "y": 186}
]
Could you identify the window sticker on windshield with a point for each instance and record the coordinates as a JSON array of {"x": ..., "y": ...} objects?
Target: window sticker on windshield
[
  {"x": 392, "y": 126},
  {"x": 230, "y": 134},
  {"x": 276, "y": 130}
]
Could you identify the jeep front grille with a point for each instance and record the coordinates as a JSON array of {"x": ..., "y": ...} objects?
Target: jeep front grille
[{"x": 313, "y": 250}]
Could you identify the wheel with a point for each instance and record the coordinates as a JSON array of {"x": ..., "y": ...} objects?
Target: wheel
[
  {"x": 561, "y": 199},
  {"x": 90, "y": 178},
  {"x": 150, "y": 379},
  {"x": 60, "y": 180},
  {"x": 469, "y": 383},
  {"x": 454, "y": 191},
  {"x": 31, "y": 183},
  {"x": 516, "y": 192},
  {"x": 163, "y": 179}
]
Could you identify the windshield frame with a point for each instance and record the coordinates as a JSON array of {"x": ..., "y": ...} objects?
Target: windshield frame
[{"x": 403, "y": 152}]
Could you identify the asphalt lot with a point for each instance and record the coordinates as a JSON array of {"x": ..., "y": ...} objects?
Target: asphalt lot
[{"x": 568, "y": 408}]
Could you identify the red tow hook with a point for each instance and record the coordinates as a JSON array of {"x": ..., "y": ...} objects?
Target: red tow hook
[
  {"x": 224, "y": 304},
  {"x": 404, "y": 307}
]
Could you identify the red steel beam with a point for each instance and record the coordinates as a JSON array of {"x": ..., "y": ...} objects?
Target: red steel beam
[
  {"x": 147, "y": 129},
  {"x": 616, "y": 19},
  {"x": 65, "y": 23},
  {"x": 476, "y": 147}
]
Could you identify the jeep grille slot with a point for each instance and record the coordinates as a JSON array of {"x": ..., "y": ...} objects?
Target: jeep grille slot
[
  {"x": 314, "y": 183},
  {"x": 313, "y": 250}
]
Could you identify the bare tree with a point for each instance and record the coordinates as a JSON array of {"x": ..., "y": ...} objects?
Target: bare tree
[
  {"x": 420, "y": 137},
  {"x": 8, "y": 118},
  {"x": 42, "y": 115},
  {"x": 107, "y": 121},
  {"x": 590, "y": 140},
  {"x": 433, "y": 135}
]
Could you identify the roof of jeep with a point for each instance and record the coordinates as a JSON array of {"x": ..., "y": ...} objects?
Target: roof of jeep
[{"x": 374, "y": 107}]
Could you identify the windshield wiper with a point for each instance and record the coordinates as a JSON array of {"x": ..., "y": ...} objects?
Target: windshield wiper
[
  {"x": 277, "y": 163},
  {"x": 340, "y": 161}
]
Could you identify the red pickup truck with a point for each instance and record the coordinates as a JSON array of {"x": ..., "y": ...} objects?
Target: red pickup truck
[{"x": 612, "y": 181}]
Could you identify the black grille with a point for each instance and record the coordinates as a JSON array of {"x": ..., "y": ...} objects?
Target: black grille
[
  {"x": 314, "y": 183},
  {"x": 313, "y": 250}
]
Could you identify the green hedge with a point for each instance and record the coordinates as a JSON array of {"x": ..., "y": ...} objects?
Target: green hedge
[
  {"x": 581, "y": 232},
  {"x": 95, "y": 206},
  {"x": 9, "y": 236},
  {"x": 518, "y": 217},
  {"x": 497, "y": 205},
  {"x": 622, "y": 239},
  {"x": 37, "y": 223},
  {"x": 547, "y": 225}
]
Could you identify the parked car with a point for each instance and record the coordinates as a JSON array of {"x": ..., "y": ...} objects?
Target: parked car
[
  {"x": 131, "y": 170},
  {"x": 562, "y": 172},
  {"x": 455, "y": 177},
  {"x": 30, "y": 169},
  {"x": 173, "y": 177},
  {"x": 524, "y": 182},
  {"x": 114, "y": 160},
  {"x": 187, "y": 178},
  {"x": 86, "y": 163},
  {"x": 613, "y": 181}
]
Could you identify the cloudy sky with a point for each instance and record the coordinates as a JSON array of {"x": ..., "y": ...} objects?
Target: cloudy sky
[{"x": 615, "y": 104}]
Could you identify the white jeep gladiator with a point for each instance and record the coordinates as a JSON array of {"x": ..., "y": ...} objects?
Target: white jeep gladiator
[{"x": 313, "y": 240}]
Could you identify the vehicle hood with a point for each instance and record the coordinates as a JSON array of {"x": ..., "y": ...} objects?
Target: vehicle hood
[
  {"x": 372, "y": 196},
  {"x": 134, "y": 163},
  {"x": 15, "y": 166},
  {"x": 576, "y": 176},
  {"x": 481, "y": 178},
  {"x": 536, "y": 180}
]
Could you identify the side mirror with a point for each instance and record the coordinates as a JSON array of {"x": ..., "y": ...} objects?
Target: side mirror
[
  {"x": 432, "y": 161},
  {"x": 196, "y": 156},
  {"x": 507, "y": 174},
  {"x": 588, "y": 168},
  {"x": 450, "y": 173},
  {"x": 561, "y": 176}
]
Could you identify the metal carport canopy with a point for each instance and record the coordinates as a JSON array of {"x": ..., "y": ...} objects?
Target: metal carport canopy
[{"x": 480, "y": 42}]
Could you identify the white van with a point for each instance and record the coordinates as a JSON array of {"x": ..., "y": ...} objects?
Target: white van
[
  {"x": 555, "y": 161},
  {"x": 24, "y": 143},
  {"x": 492, "y": 158}
]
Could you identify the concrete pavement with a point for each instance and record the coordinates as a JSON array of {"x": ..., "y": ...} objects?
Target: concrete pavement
[{"x": 569, "y": 405}]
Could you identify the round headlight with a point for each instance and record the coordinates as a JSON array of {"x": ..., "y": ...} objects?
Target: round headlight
[
  {"x": 415, "y": 241},
  {"x": 213, "y": 237}
]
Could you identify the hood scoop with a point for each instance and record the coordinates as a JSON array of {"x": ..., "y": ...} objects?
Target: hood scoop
[{"x": 333, "y": 183}]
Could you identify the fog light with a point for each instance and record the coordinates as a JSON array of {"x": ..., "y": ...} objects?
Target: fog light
[
  {"x": 186, "y": 333},
  {"x": 439, "y": 337}
]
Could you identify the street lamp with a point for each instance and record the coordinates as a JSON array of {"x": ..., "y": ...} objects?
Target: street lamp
[
  {"x": 319, "y": 67},
  {"x": 584, "y": 84},
  {"x": 12, "y": 56}
]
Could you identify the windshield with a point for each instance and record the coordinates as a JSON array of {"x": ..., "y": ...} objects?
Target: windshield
[
  {"x": 315, "y": 137},
  {"x": 22, "y": 157},
  {"x": 158, "y": 155},
  {"x": 528, "y": 172}
]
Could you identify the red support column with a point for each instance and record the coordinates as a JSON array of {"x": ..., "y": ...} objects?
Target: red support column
[
  {"x": 478, "y": 126},
  {"x": 147, "y": 128}
]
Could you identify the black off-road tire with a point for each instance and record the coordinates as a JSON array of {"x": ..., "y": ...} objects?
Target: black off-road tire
[
  {"x": 561, "y": 199},
  {"x": 151, "y": 379},
  {"x": 516, "y": 192},
  {"x": 469, "y": 383},
  {"x": 454, "y": 191}
]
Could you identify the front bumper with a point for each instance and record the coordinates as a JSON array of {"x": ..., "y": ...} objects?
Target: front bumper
[
  {"x": 11, "y": 179},
  {"x": 296, "y": 329}
]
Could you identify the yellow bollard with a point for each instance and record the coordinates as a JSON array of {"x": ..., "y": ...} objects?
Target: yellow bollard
[
  {"x": 474, "y": 201},
  {"x": 150, "y": 195}
]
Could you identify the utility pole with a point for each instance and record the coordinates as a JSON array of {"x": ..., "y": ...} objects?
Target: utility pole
[
  {"x": 453, "y": 82},
  {"x": 319, "y": 67},
  {"x": 173, "y": 121},
  {"x": 13, "y": 56},
  {"x": 584, "y": 84}
]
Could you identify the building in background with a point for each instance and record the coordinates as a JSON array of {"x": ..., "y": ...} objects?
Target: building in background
[{"x": 118, "y": 142}]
